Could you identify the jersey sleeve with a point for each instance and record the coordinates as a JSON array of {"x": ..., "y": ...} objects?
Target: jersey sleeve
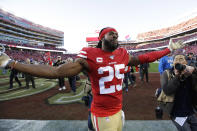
[
  {"x": 152, "y": 56},
  {"x": 83, "y": 53},
  {"x": 126, "y": 56}
]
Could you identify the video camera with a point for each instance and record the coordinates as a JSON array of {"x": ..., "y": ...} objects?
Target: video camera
[{"x": 180, "y": 67}]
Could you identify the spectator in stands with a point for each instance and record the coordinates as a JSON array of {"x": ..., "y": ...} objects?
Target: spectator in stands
[
  {"x": 13, "y": 75},
  {"x": 60, "y": 79},
  {"x": 29, "y": 77},
  {"x": 144, "y": 71},
  {"x": 181, "y": 83},
  {"x": 72, "y": 79}
]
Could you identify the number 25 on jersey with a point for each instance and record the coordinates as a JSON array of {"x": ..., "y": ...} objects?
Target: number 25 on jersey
[{"x": 113, "y": 72}]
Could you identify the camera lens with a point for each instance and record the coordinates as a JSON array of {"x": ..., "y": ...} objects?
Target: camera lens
[{"x": 180, "y": 67}]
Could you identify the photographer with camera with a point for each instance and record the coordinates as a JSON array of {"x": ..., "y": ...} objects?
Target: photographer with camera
[{"x": 181, "y": 83}]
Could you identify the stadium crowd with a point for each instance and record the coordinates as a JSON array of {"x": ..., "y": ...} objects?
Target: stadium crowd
[{"x": 166, "y": 32}]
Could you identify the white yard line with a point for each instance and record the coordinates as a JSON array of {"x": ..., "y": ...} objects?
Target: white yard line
[
  {"x": 52, "y": 85},
  {"x": 60, "y": 100},
  {"x": 10, "y": 94},
  {"x": 68, "y": 101}
]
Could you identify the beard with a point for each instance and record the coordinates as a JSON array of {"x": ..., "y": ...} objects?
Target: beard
[{"x": 111, "y": 45}]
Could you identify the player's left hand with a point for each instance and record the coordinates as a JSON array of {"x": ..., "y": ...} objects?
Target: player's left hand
[
  {"x": 175, "y": 45},
  {"x": 4, "y": 60}
]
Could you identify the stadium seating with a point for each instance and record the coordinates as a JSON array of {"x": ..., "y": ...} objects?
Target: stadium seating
[
  {"x": 13, "y": 43},
  {"x": 165, "y": 32},
  {"x": 21, "y": 55}
]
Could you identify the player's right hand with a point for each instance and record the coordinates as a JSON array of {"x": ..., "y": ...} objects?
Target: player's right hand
[{"x": 4, "y": 60}]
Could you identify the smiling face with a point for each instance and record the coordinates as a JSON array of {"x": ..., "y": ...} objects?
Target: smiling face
[{"x": 110, "y": 41}]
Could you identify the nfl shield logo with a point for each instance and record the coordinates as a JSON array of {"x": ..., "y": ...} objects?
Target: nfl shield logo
[{"x": 99, "y": 59}]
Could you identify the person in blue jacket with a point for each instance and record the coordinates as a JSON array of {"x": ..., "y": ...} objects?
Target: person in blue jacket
[{"x": 165, "y": 63}]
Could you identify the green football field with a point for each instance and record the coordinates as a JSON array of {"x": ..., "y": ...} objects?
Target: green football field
[
  {"x": 42, "y": 86},
  {"x": 153, "y": 67}
]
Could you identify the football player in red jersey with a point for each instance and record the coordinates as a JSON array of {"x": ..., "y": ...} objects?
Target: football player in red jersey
[{"x": 105, "y": 66}]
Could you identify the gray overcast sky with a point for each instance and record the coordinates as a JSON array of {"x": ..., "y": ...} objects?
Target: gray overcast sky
[{"x": 80, "y": 18}]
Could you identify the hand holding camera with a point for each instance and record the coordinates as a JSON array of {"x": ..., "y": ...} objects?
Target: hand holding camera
[{"x": 183, "y": 70}]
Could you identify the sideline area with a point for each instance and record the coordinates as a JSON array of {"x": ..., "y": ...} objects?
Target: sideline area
[
  {"x": 77, "y": 125},
  {"x": 42, "y": 85}
]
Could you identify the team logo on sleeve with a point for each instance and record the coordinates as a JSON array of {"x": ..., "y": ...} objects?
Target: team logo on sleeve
[
  {"x": 99, "y": 59},
  {"x": 111, "y": 57}
]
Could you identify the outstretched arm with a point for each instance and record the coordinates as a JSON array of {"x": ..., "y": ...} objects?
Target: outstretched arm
[
  {"x": 65, "y": 70},
  {"x": 148, "y": 57},
  {"x": 152, "y": 56}
]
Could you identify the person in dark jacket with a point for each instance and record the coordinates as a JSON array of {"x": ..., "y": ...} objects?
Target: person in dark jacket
[
  {"x": 144, "y": 71},
  {"x": 72, "y": 79},
  {"x": 13, "y": 75},
  {"x": 60, "y": 79},
  {"x": 183, "y": 86},
  {"x": 28, "y": 77},
  {"x": 128, "y": 77},
  {"x": 190, "y": 59}
]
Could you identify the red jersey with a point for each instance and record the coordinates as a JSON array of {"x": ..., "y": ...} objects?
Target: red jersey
[{"x": 106, "y": 74}]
